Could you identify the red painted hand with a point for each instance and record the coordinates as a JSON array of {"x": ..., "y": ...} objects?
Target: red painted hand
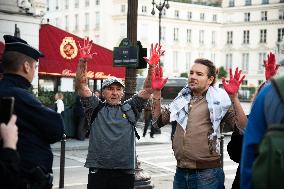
[
  {"x": 270, "y": 66},
  {"x": 233, "y": 86},
  {"x": 158, "y": 82},
  {"x": 155, "y": 54},
  {"x": 85, "y": 51}
]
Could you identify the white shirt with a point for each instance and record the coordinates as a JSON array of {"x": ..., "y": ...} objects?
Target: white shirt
[{"x": 60, "y": 106}]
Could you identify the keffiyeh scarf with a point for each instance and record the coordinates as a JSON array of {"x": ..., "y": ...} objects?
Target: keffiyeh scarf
[{"x": 218, "y": 104}]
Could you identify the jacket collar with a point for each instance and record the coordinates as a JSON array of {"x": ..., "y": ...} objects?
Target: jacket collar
[{"x": 17, "y": 80}]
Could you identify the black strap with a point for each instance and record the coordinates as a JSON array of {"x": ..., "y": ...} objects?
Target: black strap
[
  {"x": 133, "y": 124},
  {"x": 96, "y": 111}
]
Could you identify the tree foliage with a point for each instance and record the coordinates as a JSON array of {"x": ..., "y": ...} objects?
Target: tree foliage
[{"x": 222, "y": 72}]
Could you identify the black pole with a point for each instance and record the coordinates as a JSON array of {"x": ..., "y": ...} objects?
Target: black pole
[
  {"x": 62, "y": 162},
  {"x": 160, "y": 17}
]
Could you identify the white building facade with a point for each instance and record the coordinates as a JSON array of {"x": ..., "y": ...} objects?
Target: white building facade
[{"x": 239, "y": 33}]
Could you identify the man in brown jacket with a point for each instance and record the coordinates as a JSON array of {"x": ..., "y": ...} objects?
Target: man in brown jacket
[{"x": 199, "y": 109}]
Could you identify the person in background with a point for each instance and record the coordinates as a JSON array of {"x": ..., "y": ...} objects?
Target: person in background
[
  {"x": 148, "y": 119},
  {"x": 199, "y": 109},
  {"x": 59, "y": 102},
  {"x": 38, "y": 125}
]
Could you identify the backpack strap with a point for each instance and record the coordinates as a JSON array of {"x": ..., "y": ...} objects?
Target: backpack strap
[
  {"x": 131, "y": 115},
  {"x": 96, "y": 111},
  {"x": 278, "y": 83}
]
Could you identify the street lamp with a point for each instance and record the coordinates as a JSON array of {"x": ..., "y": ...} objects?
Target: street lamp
[{"x": 160, "y": 8}]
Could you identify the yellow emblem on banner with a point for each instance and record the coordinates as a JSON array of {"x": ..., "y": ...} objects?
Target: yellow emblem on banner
[{"x": 68, "y": 48}]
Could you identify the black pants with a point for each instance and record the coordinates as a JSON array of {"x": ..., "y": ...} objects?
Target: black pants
[
  {"x": 110, "y": 179},
  {"x": 147, "y": 124}
]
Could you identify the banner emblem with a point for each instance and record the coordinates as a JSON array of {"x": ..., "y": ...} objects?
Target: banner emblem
[{"x": 68, "y": 48}]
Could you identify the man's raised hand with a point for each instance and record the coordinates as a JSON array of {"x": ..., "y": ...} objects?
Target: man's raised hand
[
  {"x": 155, "y": 54},
  {"x": 85, "y": 51},
  {"x": 270, "y": 66},
  {"x": 158, "y": 82},
  {"x": 234, "y": 83}
]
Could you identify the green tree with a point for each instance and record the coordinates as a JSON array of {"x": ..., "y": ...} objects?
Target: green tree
[
  {"x": 184, "y": 74},
  {"x": 222, "y": 72}
]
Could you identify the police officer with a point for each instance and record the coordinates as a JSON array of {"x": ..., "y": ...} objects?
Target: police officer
[{"x": 38, "y": 125}]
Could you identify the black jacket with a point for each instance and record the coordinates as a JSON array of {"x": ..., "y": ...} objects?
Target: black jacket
[
  {"x": 10, "y": 169},
  {"x": 38, "y": 125}
]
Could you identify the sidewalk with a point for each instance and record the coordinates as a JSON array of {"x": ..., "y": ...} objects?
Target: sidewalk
[{"x": 74, "y": 144}]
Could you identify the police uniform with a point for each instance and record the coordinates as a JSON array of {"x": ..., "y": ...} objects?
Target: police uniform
[{"x": 38, "y": 125}]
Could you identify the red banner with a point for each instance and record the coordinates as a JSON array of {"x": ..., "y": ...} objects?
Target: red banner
[{"x": 61, "y": 55}]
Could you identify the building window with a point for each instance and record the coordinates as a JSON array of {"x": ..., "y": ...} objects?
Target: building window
[
  {"x": 229, "y": 37},
  {"x": 76, "y": 5},
  {"x": 87, "y": 3},
  {"x": 263, "y": 15},
  {"x": 245, "y": 62},
  {"x": 229, "y": 63},
  {"x": 47, "y": 5},
  {"x": 247, "y": 2},
  {"x": 97, "y": 2},
  {"x": 231, "y": 3},
  {"x": 176, "y": 13},
  {"x": 265, "y": 1},
  {"x": 246, "y": 37},
  {"x": 263, "y": 34},
  {"x": 144, "y": 8},
  {"x": 280, "y": 34},
  {"x": 175, "y": 61},
  {"x": 56, "y": 5},
  {"x": 201, "y": 37},
  {"x": 281, "y": 14},
  {"x": 214, "y": 18},
  {"x": 175, "y": 34},
  {"x": 66, "y": 23},
  {"x": 213, "y": 57},
  {"x": 123, "y": 30},
  {"x": 122, "y": 8},
  {"x": 247, "y": 16},
  {"x": 261, "y": 58},
  {"x": 66, "y": 4},
  {"x": 97, "y": 24},
  {"x": 187, "y": 60},
  {"x": 188, "y": 35},
  {"x": 213, "y": 41},
  {"x": 76, "y": 22},
  {"x": 202, "y": 16},
  {"x": 87, "y": 21},
  {"x": 189, "y": 15}
]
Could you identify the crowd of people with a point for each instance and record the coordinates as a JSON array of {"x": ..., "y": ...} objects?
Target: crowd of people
[{"x": 197, "y": 114}]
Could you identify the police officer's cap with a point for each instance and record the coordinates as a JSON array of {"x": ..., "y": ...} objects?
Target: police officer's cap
[{"x": 16, "y": 44}]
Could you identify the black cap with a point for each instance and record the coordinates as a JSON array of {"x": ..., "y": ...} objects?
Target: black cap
[{"x": 17, "y": 44}]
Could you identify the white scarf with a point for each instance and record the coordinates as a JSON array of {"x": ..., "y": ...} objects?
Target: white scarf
[{"x": 218, "y": 104}]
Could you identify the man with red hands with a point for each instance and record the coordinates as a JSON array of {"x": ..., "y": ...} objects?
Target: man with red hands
[
  {"x": 199, "y": 109},
  {"x": 111, "y": 155}
]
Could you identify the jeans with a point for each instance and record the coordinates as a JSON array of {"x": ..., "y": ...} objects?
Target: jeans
[{"x": 212, "y": 178}]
